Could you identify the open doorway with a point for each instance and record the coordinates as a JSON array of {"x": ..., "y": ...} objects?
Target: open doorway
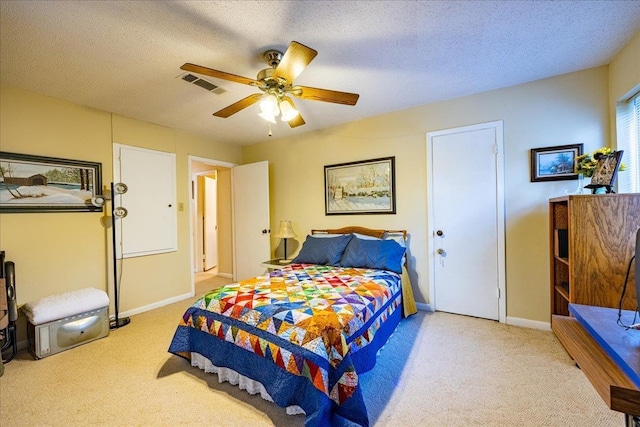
[
  {"x": 242, "y": 207},
  {"x": 211, "y": 219}
]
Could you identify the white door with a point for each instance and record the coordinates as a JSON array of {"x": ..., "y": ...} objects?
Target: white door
[
  {"x": 150, "y": 226},
  {"x": 210, "y": 234},
  {"x": 467, "y": 220},
  {"x": 251, "y": 219}
]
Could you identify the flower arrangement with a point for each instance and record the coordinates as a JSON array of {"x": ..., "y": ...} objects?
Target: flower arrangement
[{"x": 586, "y": 163}]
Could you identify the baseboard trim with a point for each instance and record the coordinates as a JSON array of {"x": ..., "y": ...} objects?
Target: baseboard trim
[
  {"x": 226, "y": 275},
  {"x": 155, "y": 305},
  {"x": 526, "y": 323},
  {"x": 513, "y": 321},
  {"x": 423, "y": 307}
]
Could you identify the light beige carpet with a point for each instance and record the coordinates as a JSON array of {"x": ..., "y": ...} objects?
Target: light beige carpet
[{"x": 448, "y": 370}]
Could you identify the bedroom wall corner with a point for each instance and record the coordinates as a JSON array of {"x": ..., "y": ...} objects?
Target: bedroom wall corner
[
  {"x": 59, "y": 252},
  {"x": 624, "y": 78},
  {"x": 549, "y": 112},
  {"x": 152, "y": 281}
]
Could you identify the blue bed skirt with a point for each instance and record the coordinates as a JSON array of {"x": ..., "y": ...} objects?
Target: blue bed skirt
[{"x": 287, "y": 389}]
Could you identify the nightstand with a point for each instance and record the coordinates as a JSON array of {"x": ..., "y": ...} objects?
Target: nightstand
[{"x": 273, "y": 264}]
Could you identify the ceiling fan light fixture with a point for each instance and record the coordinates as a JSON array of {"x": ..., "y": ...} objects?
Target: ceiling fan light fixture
[
  {"x": 288, "y": 112},
  {"x": 269, "y": 105},
  {"x": 276, "y": 85},
  {"x": 268, "y": 116}
]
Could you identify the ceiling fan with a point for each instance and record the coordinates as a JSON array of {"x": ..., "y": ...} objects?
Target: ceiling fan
[{"x": 276, "y": 84}]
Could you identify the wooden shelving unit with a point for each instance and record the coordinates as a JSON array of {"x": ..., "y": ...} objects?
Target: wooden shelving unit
[{"x": 592, "y": 239}]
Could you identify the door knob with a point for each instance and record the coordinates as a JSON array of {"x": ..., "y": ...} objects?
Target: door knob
[
  {"x": 439, "y": 233},
  {"x": 265, "y": 231},
  {"x": 440, "y": 251}
]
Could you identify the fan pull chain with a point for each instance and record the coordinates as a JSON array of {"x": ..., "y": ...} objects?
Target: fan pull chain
[{"x": 270, "y": 129}]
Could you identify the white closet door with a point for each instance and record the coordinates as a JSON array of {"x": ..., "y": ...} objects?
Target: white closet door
[
  {"x": 467, "y": 220},
  {"x": 150, "y": 225}
]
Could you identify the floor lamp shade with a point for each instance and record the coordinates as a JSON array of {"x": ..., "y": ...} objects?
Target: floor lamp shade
[{"x": 285, "y": 231}]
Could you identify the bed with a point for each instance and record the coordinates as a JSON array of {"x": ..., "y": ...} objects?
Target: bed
[{"x": 301, "y": 335}]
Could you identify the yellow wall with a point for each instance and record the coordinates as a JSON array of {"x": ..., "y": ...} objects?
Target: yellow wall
[
  {"x": 562, "y": 110},
  {"x": 57, "y": 252},
  {"x": 624, "y": 77}
]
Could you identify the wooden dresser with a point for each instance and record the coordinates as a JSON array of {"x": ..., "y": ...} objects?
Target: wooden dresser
[{"x": 592, "y": 239}]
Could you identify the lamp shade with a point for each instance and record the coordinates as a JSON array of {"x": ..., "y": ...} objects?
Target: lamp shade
[
  {"x": 285, "y": 230},
  {"x": 268, "y": 117},
  {"x": 288, "y": 112},
  {"x": 269, "y": 105}
]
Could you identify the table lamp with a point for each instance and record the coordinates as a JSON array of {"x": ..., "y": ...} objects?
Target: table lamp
[{"x": 285, "y": 231}]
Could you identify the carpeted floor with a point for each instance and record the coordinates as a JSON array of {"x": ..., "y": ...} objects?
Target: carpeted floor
[{"x": 437, "y": 369}]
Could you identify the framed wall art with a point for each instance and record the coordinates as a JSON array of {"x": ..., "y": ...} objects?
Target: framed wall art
[
  {"x": 364, "y": 187},
  {"x": 47, "y": 184},
  {"x": 606, "y": 171},
  {"x": 554, "y": 163}
]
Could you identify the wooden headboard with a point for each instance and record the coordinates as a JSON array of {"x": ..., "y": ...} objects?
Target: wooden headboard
[{"x": 360, "y": 230}]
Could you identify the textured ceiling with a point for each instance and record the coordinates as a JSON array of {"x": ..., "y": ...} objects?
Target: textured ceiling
[{"x": 124, "y": 56}]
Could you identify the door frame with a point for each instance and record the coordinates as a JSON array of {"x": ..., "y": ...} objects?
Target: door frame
[
  {"x": 190, "y": 191},
  {"x": 194, "y": 201},
  {"x": 498, "y": 127}
]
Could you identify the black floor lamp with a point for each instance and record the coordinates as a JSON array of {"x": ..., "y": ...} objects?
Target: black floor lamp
[{"x": 117, "y": 212}]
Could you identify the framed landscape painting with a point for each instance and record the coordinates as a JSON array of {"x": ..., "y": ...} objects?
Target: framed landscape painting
[
  {"x": 364, "y": 187},
  {"x": 554, "y": 163},
  {"x": 47, "y": 184}
]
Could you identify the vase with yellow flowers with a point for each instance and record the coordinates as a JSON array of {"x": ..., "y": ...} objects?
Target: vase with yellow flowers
[{"x": 586, "y": 163}]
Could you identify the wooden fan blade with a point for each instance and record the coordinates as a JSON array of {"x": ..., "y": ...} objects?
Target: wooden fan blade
[
  {"x": 326, "y": 95},
  {"x": 240, "y": 105},
  {"x": 297, "y": 120},
  {"x": 219, "y": 74},
  {"x": 294, "y": 60}
]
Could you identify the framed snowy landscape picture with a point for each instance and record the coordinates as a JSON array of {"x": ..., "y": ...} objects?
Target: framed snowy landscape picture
[
  {"x": 47, "y": 184},
  {"x": 364, "y": 187}
]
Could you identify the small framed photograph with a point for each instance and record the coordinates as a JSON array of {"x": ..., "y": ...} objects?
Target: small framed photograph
[
  {"x": 365, "y": 187},
  {"x": 554, "y": 163},
  {"x": 606, "y": 171},
  {"x": 47, "y": 184}
]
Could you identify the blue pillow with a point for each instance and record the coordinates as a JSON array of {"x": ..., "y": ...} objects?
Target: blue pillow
[
  {"x": 378, "y": 254},
  {"x": 323, "y": 251}
]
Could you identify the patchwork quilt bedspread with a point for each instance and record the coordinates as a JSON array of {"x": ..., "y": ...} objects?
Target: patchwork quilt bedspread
[{"x": 305, "y": 332}]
